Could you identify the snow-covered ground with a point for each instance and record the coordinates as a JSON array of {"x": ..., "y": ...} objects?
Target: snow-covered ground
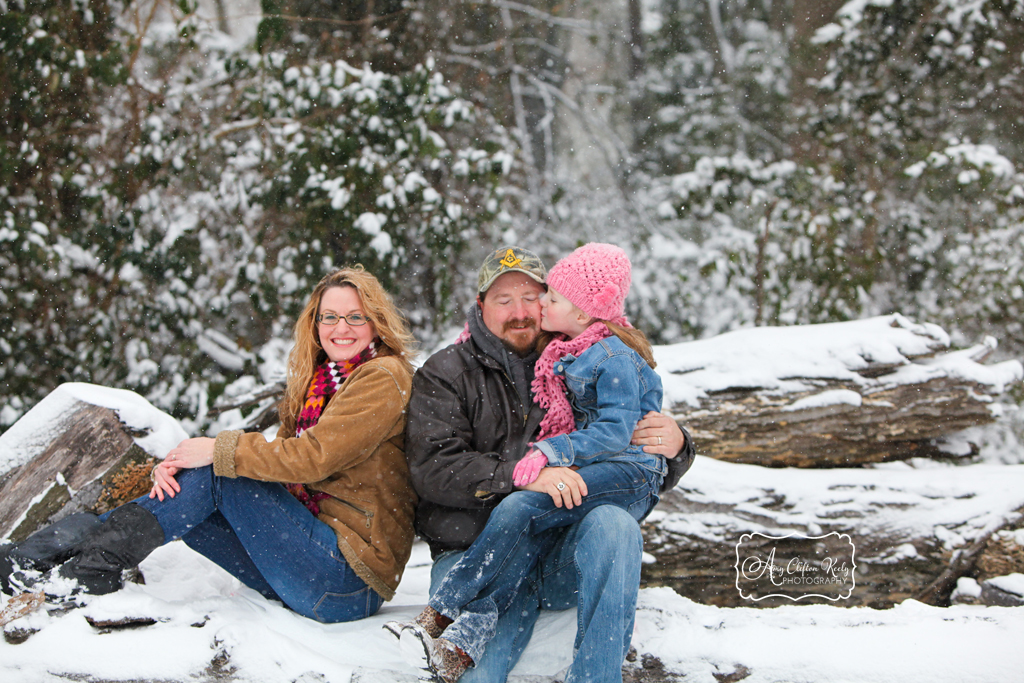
[{"x": 202, "y": 612}]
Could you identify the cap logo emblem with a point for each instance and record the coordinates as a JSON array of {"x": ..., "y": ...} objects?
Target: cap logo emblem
[{"x": 510, "y": 260}]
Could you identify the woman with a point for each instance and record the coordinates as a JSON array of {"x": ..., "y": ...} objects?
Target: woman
[{"x": 319, "y": 518}]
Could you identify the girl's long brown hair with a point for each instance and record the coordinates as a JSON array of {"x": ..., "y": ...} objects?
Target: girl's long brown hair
[
  {"x": 307, "y": 354},
  {"x": 634, "y": 339},
  {"x": 630, "y": 336}
]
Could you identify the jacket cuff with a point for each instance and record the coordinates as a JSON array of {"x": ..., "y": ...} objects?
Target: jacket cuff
[
  {"x": 501, "y": 481},
  {"x": 555, "y": 458},
  {"x": 224, "y": 453},
  {"x": 679, "y": 465}
]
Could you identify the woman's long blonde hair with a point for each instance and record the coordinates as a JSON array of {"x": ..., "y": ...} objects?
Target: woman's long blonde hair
[{"x": 307, "y": 354}]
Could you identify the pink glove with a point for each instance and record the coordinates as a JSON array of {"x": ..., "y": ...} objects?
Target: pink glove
[{"x": 528, "y": 469}]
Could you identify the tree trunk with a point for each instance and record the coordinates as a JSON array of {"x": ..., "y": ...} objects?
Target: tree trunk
[
  {"x": 694, "y": 540},
  {"x": 90, "y": 463}
]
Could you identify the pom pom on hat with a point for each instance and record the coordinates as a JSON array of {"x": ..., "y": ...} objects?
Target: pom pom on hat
[{"x": 595, "y": 278}]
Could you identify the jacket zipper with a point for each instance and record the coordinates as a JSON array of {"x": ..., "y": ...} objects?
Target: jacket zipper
[
  {"x": 365, "y": 513},
  {"x": 522, "y": 408}
]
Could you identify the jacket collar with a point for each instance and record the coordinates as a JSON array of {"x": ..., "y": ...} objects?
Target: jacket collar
[{"x": 496, "y": 355}]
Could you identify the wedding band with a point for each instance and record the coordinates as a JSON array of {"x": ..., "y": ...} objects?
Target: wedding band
[
  {"x": 659, "y": 440},
  {"x": 560, "y": 486}
]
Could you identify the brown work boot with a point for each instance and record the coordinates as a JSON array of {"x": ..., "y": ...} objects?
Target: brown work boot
[
  {"x": 432, "y": 621},
  {"x": 436, "y": 659}
]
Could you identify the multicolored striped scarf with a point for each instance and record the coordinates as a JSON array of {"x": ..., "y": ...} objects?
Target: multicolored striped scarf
[{"x": 327, "y": 379}]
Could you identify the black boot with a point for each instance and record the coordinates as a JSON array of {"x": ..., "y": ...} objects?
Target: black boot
[
  {"x": 46, "y": 548},
  {"x": 125, "y": 539}
]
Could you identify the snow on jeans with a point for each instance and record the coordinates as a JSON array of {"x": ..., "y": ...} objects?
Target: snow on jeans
[
  {"x": 268, "y": 540},
  {"x": 485, "y": 581},
  {"x": 595, "y": 566}
]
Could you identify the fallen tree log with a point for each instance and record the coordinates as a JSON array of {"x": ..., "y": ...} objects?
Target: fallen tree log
[
  {"x": 915, "y": 531},
  {"x": 78, "y": 449},
  {"x": 841, "y": 394}
]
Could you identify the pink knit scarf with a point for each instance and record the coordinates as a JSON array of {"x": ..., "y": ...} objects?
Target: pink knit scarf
[{"x": 549, "y": 388}]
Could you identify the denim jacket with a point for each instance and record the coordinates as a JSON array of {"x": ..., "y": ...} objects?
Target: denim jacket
[{"x": 610, "y": 388}]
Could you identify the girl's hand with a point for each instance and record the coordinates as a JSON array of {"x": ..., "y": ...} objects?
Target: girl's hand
[
  {"x": 191, "y": 453},
  {"x": 164, "y": 481},
  {"x": 529, "y": 467}
]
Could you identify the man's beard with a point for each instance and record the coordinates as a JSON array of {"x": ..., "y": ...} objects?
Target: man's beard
[{"x": 521, "y": 347}]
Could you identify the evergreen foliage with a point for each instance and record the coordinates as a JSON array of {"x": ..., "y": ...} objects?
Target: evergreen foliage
[
  {"x": 169, "y": 197},
  {"x": 895, "y": 187},
  {"x": 56, "y": 60},
  {"x": 213, "y": 191}
]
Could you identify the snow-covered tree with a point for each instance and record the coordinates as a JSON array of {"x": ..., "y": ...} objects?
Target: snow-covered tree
[
  {"x": 57, "y": 60},
  {"x": 920, "y": 114},
  {"x": 891, "y": 184},
  {"x": 221, "y": 184}
]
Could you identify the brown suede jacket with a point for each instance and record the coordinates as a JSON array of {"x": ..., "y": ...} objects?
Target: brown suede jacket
[{"x": 356, "y": 454}]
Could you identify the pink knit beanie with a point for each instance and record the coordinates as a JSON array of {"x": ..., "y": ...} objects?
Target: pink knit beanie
[{"x": 595, "y": 278}]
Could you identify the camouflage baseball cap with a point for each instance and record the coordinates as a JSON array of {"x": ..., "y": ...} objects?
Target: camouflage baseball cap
[{"x": 506, "y": 260}]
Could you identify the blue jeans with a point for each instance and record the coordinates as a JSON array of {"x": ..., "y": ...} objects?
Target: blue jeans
[
  {"x": 263, "y": 536},
  {"x": 527, "y": 532}
]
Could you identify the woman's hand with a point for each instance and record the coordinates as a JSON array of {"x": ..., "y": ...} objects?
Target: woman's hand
[
  {"x": 191, "y": 453},
  {"x": 658, "y": 433},
  {"x": 188, "y": 454},
  {"x": 164, "y": 481}
]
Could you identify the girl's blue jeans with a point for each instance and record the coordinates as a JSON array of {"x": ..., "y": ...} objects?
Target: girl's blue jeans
[
  {"x": 268, "y": 540},
  {"x": 524, "y": 528}
]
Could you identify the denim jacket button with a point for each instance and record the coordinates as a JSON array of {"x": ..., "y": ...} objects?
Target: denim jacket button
[{"x": 561, "y": 368}]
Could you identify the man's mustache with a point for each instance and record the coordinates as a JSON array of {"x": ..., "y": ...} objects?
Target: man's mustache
[{"x": 521, "y": 324}]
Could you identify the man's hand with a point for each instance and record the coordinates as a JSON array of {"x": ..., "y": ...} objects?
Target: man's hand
[
  {"x": 573, "y": 489},
  {"x": 658, "y": 433}
]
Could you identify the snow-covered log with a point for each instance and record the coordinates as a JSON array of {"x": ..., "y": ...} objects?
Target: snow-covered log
[
  {"x": 83, "y": 447},
  {"x": 915, "y": 530},
  {"x": 830, "y": 395}
]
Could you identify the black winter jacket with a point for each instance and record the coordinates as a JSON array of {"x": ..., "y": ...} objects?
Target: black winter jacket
[{"x": 467, "y": 428}]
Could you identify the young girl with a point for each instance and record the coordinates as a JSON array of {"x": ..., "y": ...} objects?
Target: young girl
[{"x": 607, "y": 368}]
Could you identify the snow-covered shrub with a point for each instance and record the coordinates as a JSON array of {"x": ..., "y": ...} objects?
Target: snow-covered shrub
[{"x": 204, "y": 196}]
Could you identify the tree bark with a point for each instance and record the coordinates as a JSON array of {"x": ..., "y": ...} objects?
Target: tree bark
[
  {"x": 91, "y": 463},
  {"x": 704, "y": 570},
  {"x": 877, "y": 420}
]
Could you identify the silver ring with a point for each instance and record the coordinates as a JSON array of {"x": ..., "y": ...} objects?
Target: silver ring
[
  {"x": 659, "y": 440},
  {"x": 560, "y": 486}
]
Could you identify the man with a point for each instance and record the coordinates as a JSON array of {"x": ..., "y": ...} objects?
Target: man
[{"x": 471, "y": 419}]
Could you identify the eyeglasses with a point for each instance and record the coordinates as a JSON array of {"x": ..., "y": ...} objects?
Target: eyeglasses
[{"x": 353, "y": 319}]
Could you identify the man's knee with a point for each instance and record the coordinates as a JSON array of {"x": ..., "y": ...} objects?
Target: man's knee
[
  {"x": 611, "y": 525},
  {"x": 608, "y": 534}
]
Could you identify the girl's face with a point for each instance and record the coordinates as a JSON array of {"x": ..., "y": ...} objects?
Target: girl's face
[
  {"x": 558, "y": 314},
  {"x": 343, "y": 341}
]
